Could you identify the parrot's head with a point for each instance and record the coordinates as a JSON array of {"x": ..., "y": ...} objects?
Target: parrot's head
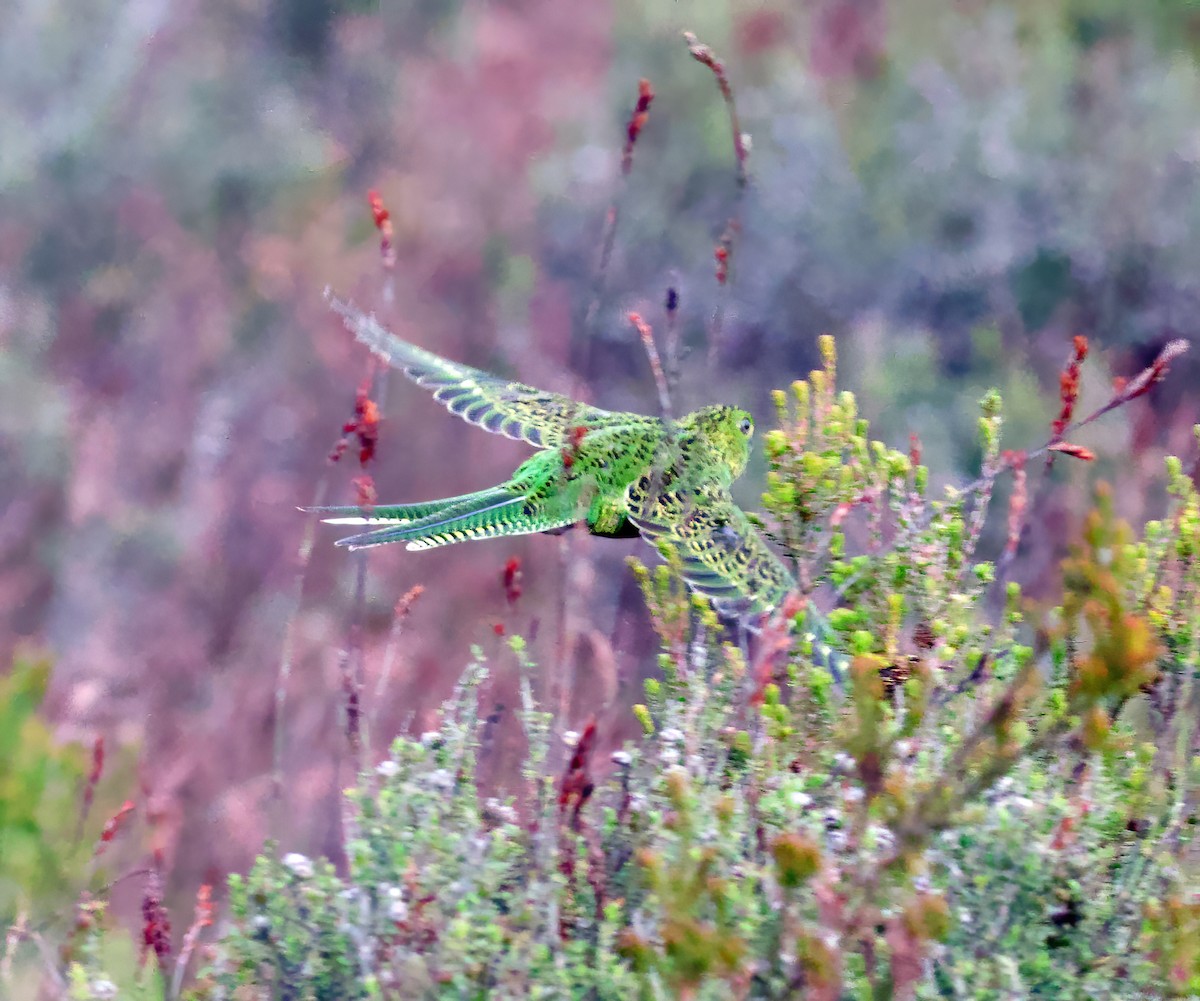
[{"x": 726, "y": 433}]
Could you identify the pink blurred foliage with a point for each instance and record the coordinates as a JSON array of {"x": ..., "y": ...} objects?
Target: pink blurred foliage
[{"x": 157, "y": 566}]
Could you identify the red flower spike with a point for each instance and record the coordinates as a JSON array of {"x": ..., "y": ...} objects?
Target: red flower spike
[
  {"x": 576, "y": 785},
  {"x": 404, "y": 605},
  {"x": 1075, "y": 451},
  {"x": 378, "y": 211},
  {"x": 202, "y": 918},
  {"x": 111, "y": 827},
  {"x": 637, "y": 122},
  {"x": 364, "y": 427},
  {"x": 914, "y": 448},
  {"x": 204, "y": 906},
  {"x": 1125, "y": 390},
  {"x": 1068, "y": 385},
  {"x": 512, "y": 580},
  {"x": 383, "y": 223},
  {"x": 93, "y": 779},
  {"x": 723, "y": 252},
  {"x": 156, "y": 922},
  {"x": 364, "y": 490}
]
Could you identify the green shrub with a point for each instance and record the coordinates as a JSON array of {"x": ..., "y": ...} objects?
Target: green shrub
[
  {"x": 924, "y": 796},
  {"x": 40, "y": 783}
]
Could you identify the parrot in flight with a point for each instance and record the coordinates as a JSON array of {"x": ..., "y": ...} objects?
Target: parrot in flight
[{"x": 620, "y": 474}]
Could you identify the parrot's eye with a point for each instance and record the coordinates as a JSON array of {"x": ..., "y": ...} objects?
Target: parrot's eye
[{"x": 747, "y": 426}]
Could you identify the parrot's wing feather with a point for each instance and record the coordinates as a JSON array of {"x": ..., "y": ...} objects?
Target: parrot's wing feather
[
  {"x": 722, "y": 554},
  {"x": 494, "y": 404}
]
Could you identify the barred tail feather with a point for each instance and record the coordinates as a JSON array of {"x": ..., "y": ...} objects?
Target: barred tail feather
[
  {"x": 390, "y": 514},
  {"x": 488, "y": 514}
]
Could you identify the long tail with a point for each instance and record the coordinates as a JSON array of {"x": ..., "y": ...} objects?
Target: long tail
[
  {"x": 389, "y": 514},
  {"x": 482, "y": 515}
]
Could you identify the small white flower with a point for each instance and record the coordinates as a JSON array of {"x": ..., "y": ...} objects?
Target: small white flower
[
  {"x": 442, "y": 779},
  {"x": 387, "y": 769},
  {"x": 843, "y": 762},
  {"x": 622, "y": 758},
  {"x": 964, "y": 916},
  {"x": 102, "y": 990},
  {"x": 499, "y": 812},
  {"x": 672, "y": 735},
  {"x": 299, "y": 864},
  {"x": 853, "y": 795},
  {"x": 669, "y": 756},
  {"x": 571, "y": 738},
  {"x": 431, "y": 738},
  {"x": 881, "y": 836},
  {"x": 397, "y": 910}
]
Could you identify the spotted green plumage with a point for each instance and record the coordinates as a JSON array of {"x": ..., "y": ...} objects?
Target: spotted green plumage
[{"x": 620, "y": 474}]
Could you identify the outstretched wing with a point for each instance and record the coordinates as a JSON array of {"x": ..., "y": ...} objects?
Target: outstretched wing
[
  {"x": 494, "y": 404},
  {"x": 722, "y": 554}
]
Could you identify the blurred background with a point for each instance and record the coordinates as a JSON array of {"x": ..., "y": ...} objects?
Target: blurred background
[{"x": 951, "y": 189}]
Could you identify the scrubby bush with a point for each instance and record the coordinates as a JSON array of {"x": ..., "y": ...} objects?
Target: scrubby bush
[{"x": 933, "y": 792}]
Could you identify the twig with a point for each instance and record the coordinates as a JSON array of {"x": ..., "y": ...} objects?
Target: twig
[
  {"x": 89, "y": 789},
  {"x": 365, "y": 428},
  {"x": 399, "y": 616},
  {"x": 723, "y": 253},
  {"x": 288, "y": 656},
  {"x": 15, "y": 933},
  {"x": 672, "y": 315},
  {"x": 387, "y": 246},
  {"x": 660, "y": 378},
  {"x": 202, "y": 919},
  {"x": 1141, "y": 384},
  {"x": 706, "y": 57},
  {"x": 633, "y": 129},
  {"x": 49, "y": 960}
]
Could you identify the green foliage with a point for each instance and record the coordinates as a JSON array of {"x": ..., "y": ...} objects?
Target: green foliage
[
  {"x": 40, "y": 783},
  {"x": 959, "y": 814},
  {"x": 47, "y": 856}
]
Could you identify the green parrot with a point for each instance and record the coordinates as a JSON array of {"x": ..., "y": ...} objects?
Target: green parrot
[{"x": 620, "y": 474}]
